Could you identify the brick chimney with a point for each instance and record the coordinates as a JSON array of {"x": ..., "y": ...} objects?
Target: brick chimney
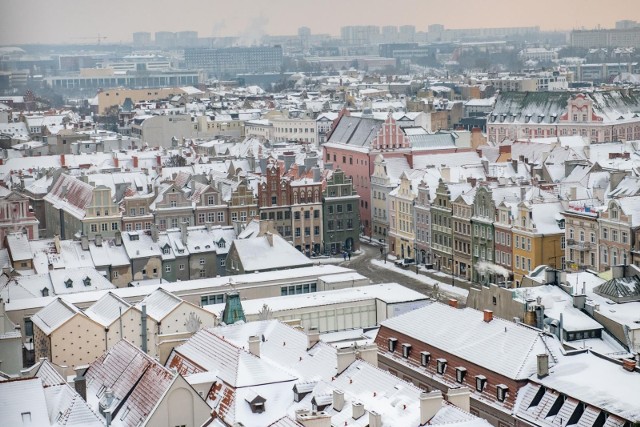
[
  {"x": 135, "y": 162},
  {"x": 62, "y": 161},
  {"x": 488, "y": 316},
  {"x": 453, "y": 302},
  {"x": 629, "y": 365}
]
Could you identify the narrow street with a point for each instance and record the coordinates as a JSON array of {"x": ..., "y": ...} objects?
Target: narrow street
[{"x": 363, "y": 265}]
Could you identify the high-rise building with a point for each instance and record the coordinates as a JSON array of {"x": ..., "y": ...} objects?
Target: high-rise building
[
  {"x": 141, "y": 39},
  {"x": 166, "y": 39},
  {"x": 628, "y": 37},
  {"x": 235, "y": 60},
  {"x": 186, "y": 38}
]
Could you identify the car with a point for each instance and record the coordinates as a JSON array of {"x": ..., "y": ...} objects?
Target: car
[{"x": 405, "y": 262}]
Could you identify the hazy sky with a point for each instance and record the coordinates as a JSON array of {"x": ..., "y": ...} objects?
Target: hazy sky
[{"x": 75, "y": 21}]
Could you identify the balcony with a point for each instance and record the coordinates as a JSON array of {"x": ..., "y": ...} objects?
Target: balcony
[{"x": 579, "y": 246}]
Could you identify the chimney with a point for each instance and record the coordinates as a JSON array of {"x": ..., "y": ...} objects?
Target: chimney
[
  {"x": 460, "y": 397},
  {"x": 313, "y": 418},
  {"x": 80, "y": 382},
  {"x": 84, "y": 242},
  {"x": 338, "y": 400},
  {"x": 98, "y": 239},
  {"x": 183, "y": 232},
  {"x": 254, "y": 345},
  {"x": 430, "y": 404},
  {"x": 488, "y": 316},
  {"x": 270, "y": 238},
  {"x": 369, "y": 353},
  {"x": 62, "y": 161},
  {"x": 375, "y": 419},
  {"x": 617, "y": 271},
  {"x": 345, "y": 356},
  {"x": 154, "y": 232},
  {"x": 135, "y": 162},
  {"x": 313, "y": 336},
  {"x": 629, "y": 365},
  {"x": 453, "y": 302},
  {"x": 543, "y": 365},
  {"x": 158, "y": 162},
  {"x": 317, "y": 174},
  {"x": 116, "y": 161},
  {"x": 143, "y": 327},
  {"x": 357, "y": 410},
  {"x": 118, "y": 237},
  {"x": 579, "y": 301}
]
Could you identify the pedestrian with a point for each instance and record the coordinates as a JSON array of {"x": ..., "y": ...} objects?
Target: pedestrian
[
  {"x": 344, "y": 255},
  {"x": 349, "y": 255}
]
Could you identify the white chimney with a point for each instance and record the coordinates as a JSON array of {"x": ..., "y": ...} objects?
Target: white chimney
[
  {"x": 357, "y": 410},
  {"x": 369, "y": 353},
  {"x": 460, "y": 397},
  {"x": 430, "y": 404},
  {"x": 313, "y": 336},
  {"x": 345, "y": 356},
  {"x": 254, "y": 345},
  {"x": 338, "y": 400},
  {"x": 375, "y": 419},
  {"x": 543, "y": 365}
]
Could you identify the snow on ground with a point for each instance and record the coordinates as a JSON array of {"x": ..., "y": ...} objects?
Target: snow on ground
[{"x": 411, "y": 272}]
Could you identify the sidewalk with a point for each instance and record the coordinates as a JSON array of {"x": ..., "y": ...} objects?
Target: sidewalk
[{"x": 423, "y": 277}]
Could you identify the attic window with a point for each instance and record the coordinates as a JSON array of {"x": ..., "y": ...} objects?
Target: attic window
[
  {"x": 221, "y": 243},
  {"x": 501, "y": 392},
  {"x": 460, "y": 374},
  {"x": 406, "y": 350},
  {"x": 134, "y": 237},
  {"x": 125, "y": 413},
  {"x": 165, "y": 251},
  {"x": 87, "y": 281},
  {"x": 68, "y": 283},
  {"x": 45, "y": 292},
  {"x": 481, "y": 382},
  {"x": 392, "y": 344},
  {"x": 425, "y": 356},
  {"x": 442, "y": 366},
  {"x": 256, "y": 403}
]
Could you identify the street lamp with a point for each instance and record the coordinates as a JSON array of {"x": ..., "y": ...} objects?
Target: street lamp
[
  {"x": 453, "y": 279},
  {"x": 415, "y": 255}
]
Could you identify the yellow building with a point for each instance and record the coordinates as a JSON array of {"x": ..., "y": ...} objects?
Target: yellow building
[
  {"x": 402, "y": 220},
  {"x": 538, "y": 238}
]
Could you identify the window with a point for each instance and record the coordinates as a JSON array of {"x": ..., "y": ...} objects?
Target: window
[
  {"x": 115, "y": 274},
  {"x": 460, "y": 374},
  {"x": 481, "y": 383},
  {"x": 406, "y": 350},
  {"x": 441, "y": 366},
  {"x": 201, "y": 217},
  {"x": 223, "y": 263},
  {"x": 167, "y": 269},
  {"x": 425, "y": 356},
  {"x": 210, "y": 200},
  {"x": 220, "y": 216},
  {"x": 104, "y": 226},
  {"x": 173, "y": 203},
  {"x": 181, "y": 267},
  {"x": 94, "y": 228},
  {"x": 201, "y": 261},
  {"x": 501, "y": 392},
  {"x": 132, "y": 211},
  {"x": 392, "y": 344},
  {"x": 28, "y": 327},
  {"x": 296, "y": 215},
  {"x": 114, "y": 226},
  {"x": 297, "y": 231},
  {"x": 234, "y": 216},
  {"x": 316, "y": 230}
]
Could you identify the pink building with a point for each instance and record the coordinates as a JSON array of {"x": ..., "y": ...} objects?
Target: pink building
[{"x": 16, "y": 216}]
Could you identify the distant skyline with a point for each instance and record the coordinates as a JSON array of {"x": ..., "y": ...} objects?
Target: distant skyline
[{"x": 80, "y": 21}]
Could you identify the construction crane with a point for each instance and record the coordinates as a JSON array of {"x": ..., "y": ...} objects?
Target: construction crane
[{"x": 99, "y": 38}]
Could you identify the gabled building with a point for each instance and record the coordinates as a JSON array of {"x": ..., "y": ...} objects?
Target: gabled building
[
  {"x": 16, "y": 216},
  {"x": 172, "y": 207},
  {"x": 484, "y": 216},
  {"x": 402, "y": 218},
  {"x": 340, "y": 215},
  {"x": 145, "y": 254},
  {"x": 129, "y": 388},
  {"x": 74, "y": 208},
  {"x": 381, "y": 186},
  {"x": 274, "y": 198},
  {"x": 307, "y": 214},
  {"x": 65, "y": 335},
  {"x": 462, "y": 211},
  {"x": 618, "y": 225}
]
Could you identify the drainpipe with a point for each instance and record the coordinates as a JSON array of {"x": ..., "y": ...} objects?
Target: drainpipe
[{"x": 144, "y": 327}]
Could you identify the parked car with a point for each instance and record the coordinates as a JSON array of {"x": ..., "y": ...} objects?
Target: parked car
[{"x": 405, "y": 262}]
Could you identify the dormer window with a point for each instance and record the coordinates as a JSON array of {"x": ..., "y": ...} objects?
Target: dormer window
[
  {"x": 406, "y": 350},
  {"x": 256, "y": 402},
  {"x": 460, "y": 374},
  {"x": 165, "y": 250},
  {"x": 68, "y": 283},
  {"x": 221, "y": 243},
  {"x": 87, "y": 281},
  {"x": 45, "y": 292},
  {"x": 425, "y": 357},
  {"x": 392, "y": 344},
  {"x": 481, "y": 383},
  {"x": 614, "y": 214},
  {"x": 441, "y": 366},
  {"x": 501, "y": 392}
]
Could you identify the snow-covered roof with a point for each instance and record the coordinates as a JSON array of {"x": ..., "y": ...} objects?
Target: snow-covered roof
[
  {"x": 54, "y": 315},
  {"x": 268, "y": 252},
  {"x": 107, "y": 309},
  {"x": 513, "y": 346},
  {"x": 159, "y": 304}
]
